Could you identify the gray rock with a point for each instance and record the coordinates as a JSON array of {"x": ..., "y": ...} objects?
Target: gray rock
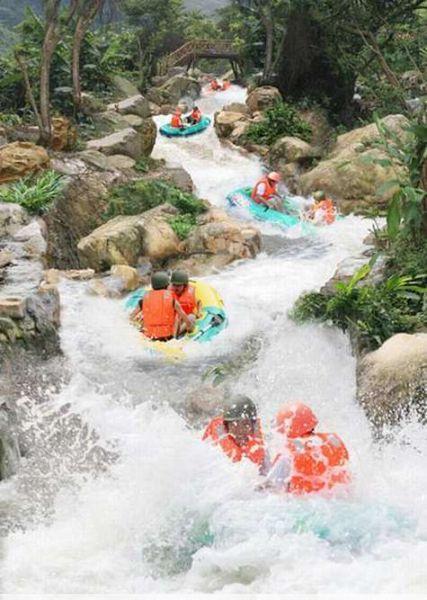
[
  {"x": 12, "y": 218},
  {"x": 118, "y": 161},
  {"x": 127, "y": 142},
  {"x": 135, "y": 105},
  {"x": 125, "y": 87}
]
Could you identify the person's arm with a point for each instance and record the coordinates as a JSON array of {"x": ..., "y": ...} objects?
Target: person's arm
[
  {"x": 279, "y": 475},
  {"x": 183, "y": 315},
  {"x": 137, "y": 314}
]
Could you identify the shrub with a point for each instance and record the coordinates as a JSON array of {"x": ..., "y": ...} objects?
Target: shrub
[
  {"x": 183, "y": 225},
  {"x": 372, "y": 312},
  {"x": 139, "y": 196},
  {"x": 282, "y": 119},
  {"x": 35, "y": 194}
]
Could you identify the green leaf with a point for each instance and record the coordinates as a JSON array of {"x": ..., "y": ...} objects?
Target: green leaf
[{"x": 393, "y": 217}]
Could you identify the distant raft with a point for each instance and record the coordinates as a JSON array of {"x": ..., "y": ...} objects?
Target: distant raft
[
  {"x": 169, "y": 131},
  {"x": 210, "y": 322}
]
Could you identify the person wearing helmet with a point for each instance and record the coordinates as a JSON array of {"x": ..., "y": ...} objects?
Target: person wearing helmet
[
  {"x": 176, "y": 120},
  {"x": 195, "y": 116},
  {"x": 308, "y": 461},
  {"x": 265, "y": 192},
  {"x": 323, "y": 210},
  {"x": 185, "y": 294},
  {"x": 159, "y": 312},
  {"x": 238, "y": 433}
]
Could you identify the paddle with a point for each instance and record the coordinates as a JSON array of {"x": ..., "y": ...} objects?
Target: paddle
[{"x": 216, "y": 322}]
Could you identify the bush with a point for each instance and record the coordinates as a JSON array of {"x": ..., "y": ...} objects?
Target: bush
[
  {"x": 282, "y": 119},
  {"x": 372, "y": 312},
  {"x": 183, "y": 225},
  {"x": 35, "y": 194},
  {"x": 137, "y": 197}
]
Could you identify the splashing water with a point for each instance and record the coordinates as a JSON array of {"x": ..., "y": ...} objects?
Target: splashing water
[{"x": 134, "y": 502}]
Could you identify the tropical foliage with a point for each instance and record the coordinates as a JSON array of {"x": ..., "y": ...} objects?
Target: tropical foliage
[
  {"x": 34, "y": 193},
  {"x": 282, "y": 119}
]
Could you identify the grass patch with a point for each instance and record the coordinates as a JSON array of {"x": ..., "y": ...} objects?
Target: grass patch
[
  {"x": 34, "y": 193},
  {"x": 139, "y": 196},
  {"x": 280, "y": 120}
]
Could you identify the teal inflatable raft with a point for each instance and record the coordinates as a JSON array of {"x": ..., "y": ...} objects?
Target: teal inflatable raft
[
  {"x": 242, "y": 198},
  {"x": 169, "y": 131}
]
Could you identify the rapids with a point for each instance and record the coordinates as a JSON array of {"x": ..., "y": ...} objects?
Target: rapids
[{"x": 118, "y": 494}]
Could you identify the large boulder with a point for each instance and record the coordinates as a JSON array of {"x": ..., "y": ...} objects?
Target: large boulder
[
  {"x": 220, "y": 235},
  {"x": 352, "y": 174},
  {"x": 135, "y": 105},
  {"x": 392, "y": 381},
  {"x": 262, "y": 98},
  {"x": 362, "y": 138},
  {"x": 178, "y": 87},
  {"x": 126, "y": 239},
  {"x": 109, "y": 121},
  {"x": 126, "y": 141},
  {"x": 148, "y": 134},
  {"x": 237, "y": 107},
  {"x": 226, "y": 122},
  {"x": 291, "y": 149},
  {"x": 64, "y": 134},
  {"x": 123, "y": 86},
  {"x": 78, "y": 211},
  {"x": 21, "y": 158}
]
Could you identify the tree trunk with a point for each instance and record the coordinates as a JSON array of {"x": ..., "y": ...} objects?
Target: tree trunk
[
  {"x": 79, "y": 33},
  {"x": 267, "y": 21},
  {"x": 49, "y": 44}
]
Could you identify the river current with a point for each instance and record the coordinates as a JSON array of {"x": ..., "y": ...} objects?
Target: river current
[{"x": 117, "y": 493}]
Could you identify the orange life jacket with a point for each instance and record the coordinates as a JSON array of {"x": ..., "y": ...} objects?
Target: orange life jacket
[
  {"x": 328, "y": 208},
  {"x": 318, "y": 462},
  {"x": 215, "y": 85},
  {"x": 226, "y": 85},
  {"x": 196, "y": 115},
  {"x": 158, "y": 312},
  {"x": 176, "y": 121},
  {"x": 254, "y": 449},
  {"x": 187, "y": 299},
  {"x": 270, "y": 190}
]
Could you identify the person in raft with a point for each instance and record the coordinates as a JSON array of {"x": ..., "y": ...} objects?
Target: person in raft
[
  {"x": 214, "y": 85},
  {"x": 237, "y": 432},
  {"x": 323, "y": 210},
  {"x": 185, "y": 293},
  {"x": 195, "y": 116},
  {"x": 308, "y": 461},
  {"x": 159, "y": 312},
  {"x": 176, "y": 120},
  {"x": 265, "y": 192}
]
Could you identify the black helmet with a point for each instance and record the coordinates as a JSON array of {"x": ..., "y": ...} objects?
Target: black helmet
[
  {"x": 159, "y": 280},
  {"x": 179, "y": 278},
  {"x": 241, "y": 407}
]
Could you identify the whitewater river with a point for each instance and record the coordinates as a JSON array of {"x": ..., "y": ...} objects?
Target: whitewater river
[{"x": 118, "y": 494}]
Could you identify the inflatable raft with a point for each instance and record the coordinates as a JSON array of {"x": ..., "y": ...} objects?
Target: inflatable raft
[
  {"x": 242, "y": 198},
  {"x": 169, "y": 131},
  {"x": 210, "y": 322}
]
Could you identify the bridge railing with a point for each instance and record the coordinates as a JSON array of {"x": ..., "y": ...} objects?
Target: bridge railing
[{"x": 197, "y": 47}]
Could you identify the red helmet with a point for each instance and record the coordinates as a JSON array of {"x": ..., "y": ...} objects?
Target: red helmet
[
  {"x": 274, "y": 176},
  {"x": 295, "y": 420}
]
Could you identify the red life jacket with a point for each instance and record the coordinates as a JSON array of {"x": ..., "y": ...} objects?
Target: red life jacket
[
  {"x": 328, "y": 208},
  {"x": 158, "y": 312},
  {"x": 215, "y": 85},
  {"x": 253, "y": 450},
  {"x": 318, "y": 462},
  {"x": 187, "y": 299},
  {"x": 176, "y": 121},
  {"x": 270, "y": 190}
]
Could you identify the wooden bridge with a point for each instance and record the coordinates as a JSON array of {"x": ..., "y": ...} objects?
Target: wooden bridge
[{"x": 191, "y": 52}]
